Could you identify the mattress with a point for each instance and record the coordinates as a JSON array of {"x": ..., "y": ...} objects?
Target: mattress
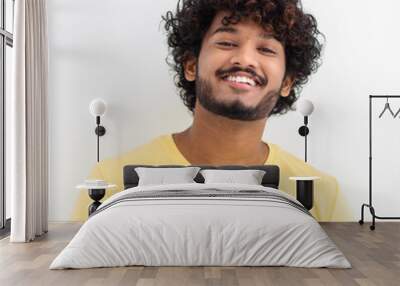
[{"x": 197, "y": 224}]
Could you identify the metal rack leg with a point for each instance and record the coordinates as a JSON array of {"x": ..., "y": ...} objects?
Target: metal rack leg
[
  {"x": 374, "y": 216},
  {"x": 372, "y": 210},
  {"x": 361, "y": 221}
]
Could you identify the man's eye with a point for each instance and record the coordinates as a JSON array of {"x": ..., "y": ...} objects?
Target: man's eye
[
  {"x": 226, "y": 44},
  {"x": 266, "y": 50}
]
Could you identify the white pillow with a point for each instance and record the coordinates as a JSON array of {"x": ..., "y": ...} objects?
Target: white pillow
[
  {"x": 249, "y": 177},
  {"x": 162, "y": 176}
]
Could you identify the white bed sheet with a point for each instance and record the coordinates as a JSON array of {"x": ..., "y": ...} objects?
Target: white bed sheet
[{"x": 191, "y": 231}]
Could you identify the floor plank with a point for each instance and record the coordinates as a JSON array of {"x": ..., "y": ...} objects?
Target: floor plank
[{"x": 374, "y": 255}]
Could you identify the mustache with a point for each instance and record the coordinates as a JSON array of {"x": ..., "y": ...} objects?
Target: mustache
[{"x": 224, "y": 72}]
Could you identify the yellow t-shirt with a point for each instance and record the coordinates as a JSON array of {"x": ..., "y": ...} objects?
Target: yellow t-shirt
[{"x": 328, "y": 201}]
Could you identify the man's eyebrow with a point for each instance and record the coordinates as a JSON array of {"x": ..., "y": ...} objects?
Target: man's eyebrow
[
  {"x": 225, "y": 30},
  {"x": 232, "y": 30}
]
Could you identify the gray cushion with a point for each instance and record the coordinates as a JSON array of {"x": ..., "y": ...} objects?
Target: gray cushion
[
  {"x": 270, "y": 179},
  {"x": 249, "y": 177},
  {"x": 162, "y": 176}
]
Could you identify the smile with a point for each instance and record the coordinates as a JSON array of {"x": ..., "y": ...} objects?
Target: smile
[{"x": 241, "y": 82}]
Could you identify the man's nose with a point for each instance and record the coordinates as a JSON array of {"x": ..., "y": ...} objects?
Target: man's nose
[{"x": 245, "y": 56}]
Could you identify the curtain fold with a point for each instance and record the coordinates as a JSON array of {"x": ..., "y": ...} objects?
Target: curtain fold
[{"x": 28, "y": 122}]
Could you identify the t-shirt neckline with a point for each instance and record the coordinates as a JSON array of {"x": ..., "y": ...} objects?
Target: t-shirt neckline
[{"x": 182, "y": 158}]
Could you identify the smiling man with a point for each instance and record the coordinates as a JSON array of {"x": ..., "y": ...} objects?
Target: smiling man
[
  {"x": 237, "y": 63},
  {"x": 238, "y": 76}
]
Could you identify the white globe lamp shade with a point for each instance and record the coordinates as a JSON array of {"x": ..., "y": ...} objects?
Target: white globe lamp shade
[
  {"x": 305, "y": 107},
  {"x": 97, "y": 107}
]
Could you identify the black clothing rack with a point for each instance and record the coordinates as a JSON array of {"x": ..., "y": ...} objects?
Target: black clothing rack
[{"x": 370, "y": 206}]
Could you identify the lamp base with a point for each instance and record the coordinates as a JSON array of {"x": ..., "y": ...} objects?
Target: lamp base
[
  {"x": 96, "y": 195},
  {"x": 305, "y": 193}
]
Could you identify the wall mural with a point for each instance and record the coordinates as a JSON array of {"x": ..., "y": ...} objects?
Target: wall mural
[{"x": 234, "y": 70}]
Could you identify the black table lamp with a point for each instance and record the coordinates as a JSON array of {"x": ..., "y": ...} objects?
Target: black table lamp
[
  {"x": 305, "y": 107},
  {"x": 98, "y": 108}
]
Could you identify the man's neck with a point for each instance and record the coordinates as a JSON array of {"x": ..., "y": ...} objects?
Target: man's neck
[{"x": 216, "y": 140}]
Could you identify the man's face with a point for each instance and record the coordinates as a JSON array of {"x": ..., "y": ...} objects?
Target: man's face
[{"x": 240, "y": 70}]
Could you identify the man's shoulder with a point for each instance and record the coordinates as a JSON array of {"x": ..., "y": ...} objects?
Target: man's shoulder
[
  {"x": 158, "y": 150},
  {"x": 280, "y": 155},
  {"x": 294, "y": 165},
  {"x": 153, "y": 150}
]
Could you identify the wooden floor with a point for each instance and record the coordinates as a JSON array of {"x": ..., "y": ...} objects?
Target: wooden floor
[{"x": 374, "y": 255}]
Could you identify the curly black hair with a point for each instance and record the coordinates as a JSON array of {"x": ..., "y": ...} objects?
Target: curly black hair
[{"x": 296, "y": 30}]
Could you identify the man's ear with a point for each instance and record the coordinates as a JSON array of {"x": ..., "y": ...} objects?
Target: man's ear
[
  {"x": 190, "y": 68},
  {"x": 287, "y": 85}
]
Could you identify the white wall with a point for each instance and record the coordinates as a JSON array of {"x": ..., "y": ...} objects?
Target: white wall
[{"x": 116, "y": 50}]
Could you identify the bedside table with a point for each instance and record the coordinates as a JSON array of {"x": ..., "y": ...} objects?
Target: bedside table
[
  {"x": 96, "y": 193},
  {"x": 305, "y": 190}
]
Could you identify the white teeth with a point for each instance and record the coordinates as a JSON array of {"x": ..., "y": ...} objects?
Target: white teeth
[{"x": 242, "y": 79}]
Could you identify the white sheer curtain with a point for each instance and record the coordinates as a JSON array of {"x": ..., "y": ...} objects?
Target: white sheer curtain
[{"x": 28, "y": 160}]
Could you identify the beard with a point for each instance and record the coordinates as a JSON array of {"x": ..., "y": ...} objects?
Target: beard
[{"x": 235, "y": 110}]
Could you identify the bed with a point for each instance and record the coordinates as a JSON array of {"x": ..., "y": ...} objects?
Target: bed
[{"x": 201, "y": 222}]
